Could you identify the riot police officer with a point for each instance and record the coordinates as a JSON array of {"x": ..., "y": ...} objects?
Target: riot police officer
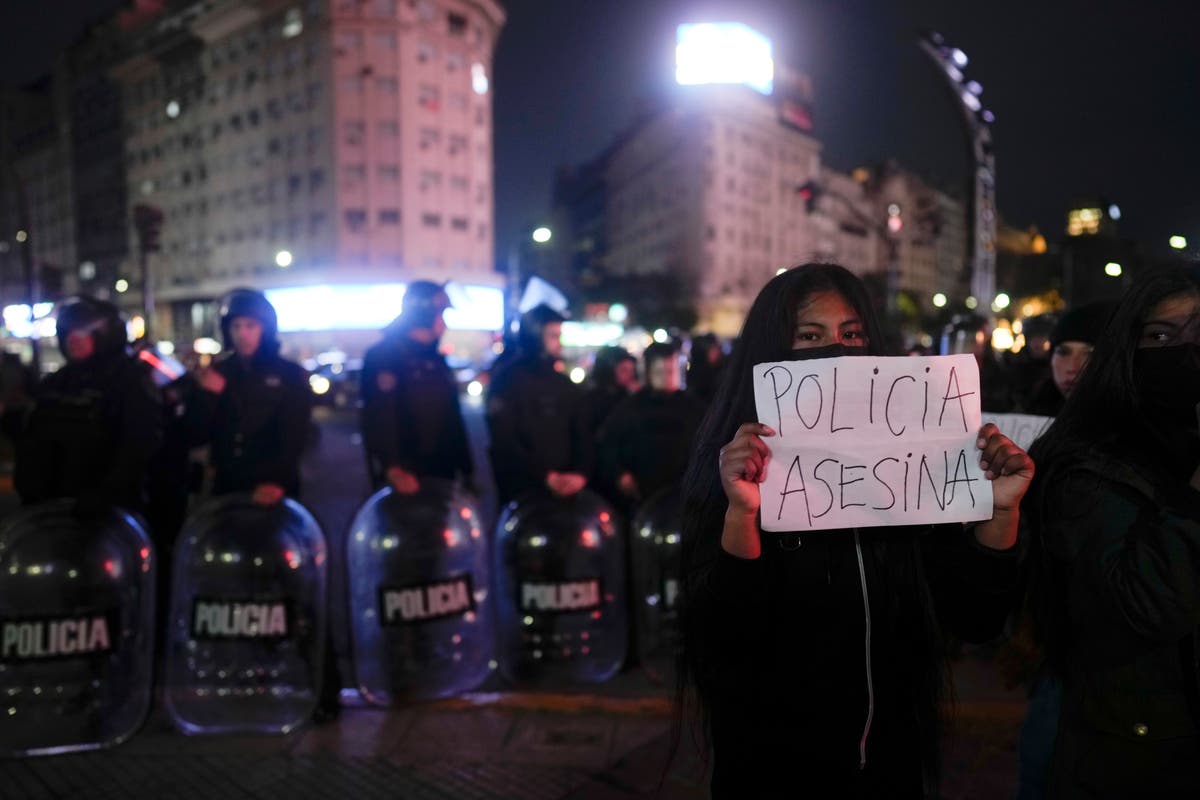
[
  {"x": 537, "y": 417},
  {"x": 97, "y": 421},
  {"x": 412, "y": 421},
  {"x": 255, "y": 405}
]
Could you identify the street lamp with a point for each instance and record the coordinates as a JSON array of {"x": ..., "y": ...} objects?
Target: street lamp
[
  {"x": 541, "y": 235},
  {"x": 121, "y": 286},
  {"x": 1112, "y": 269},
  {"x": 283, "y": 259},
  {"x": 1002, "y": 301},
  {"x": 939, "y": 300},
  {"x": 1178, "y": 242}
]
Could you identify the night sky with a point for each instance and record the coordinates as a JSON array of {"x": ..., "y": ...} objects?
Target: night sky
[{"x": 1092, "y": 98}]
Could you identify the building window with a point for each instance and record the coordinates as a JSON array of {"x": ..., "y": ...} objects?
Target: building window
[
  {"x": 388, "y": 172},
  {"x": 316, "y": 179},
  {"x": 460, "y": 183},
  {"x": 356, "y": 219},
  {"x": 385, "y": 9},
  {"x": 385, "y": 41},
  {"x": 458, "y": 144},
  {"x": 353, "y": 132},
  {"x": 352, "y": 173},
  {"x": 429, "y": 97},
  {"x": 455, "y": 62},
  {"x": 426, "y": 52},
  {"x": 316, "y": 224},
  {"x": 387, "y": 85},
  {"x": 457, "y": 101},
  {"x": 431, "y": 220},
  {"x": 430, "y": 179},
  {"x": 430, "y": 137},
  {"x": 426, "y": 10},
  {"x": 349, "y": 42},
  {"x": 460, "y": 223},
  {"x": 388, "y": 128},
  {"x": 389, "y": 216},
  {"x": 456, "y": 24},
  {"x": 353, "y": 84}
]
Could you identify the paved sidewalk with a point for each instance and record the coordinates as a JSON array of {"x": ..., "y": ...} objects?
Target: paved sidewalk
[{"x": 608, "y": 742}]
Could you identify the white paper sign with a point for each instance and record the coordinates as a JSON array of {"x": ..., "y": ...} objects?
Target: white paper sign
[
  {"x": 869, "y": 441},
  {"x": 1023, "y": 429}
]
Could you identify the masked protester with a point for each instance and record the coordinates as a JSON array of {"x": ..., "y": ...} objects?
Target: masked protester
[
  {"x": 97, "y": 421},
  {"x": 256, "y": 405},
  {"x": 1114, "y": 591},
  {"x": 705, "y": 365},
  {"x": 412, "y": 421},
  {"x": 537, "y": 417},
  {"x": 816, "y": 658}
]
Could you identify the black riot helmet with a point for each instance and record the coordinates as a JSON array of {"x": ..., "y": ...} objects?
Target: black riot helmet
[
  {"x": 254, "y": 304},
  {"x": 423, "y": 304},
  {"x": 99, "y": 318}
]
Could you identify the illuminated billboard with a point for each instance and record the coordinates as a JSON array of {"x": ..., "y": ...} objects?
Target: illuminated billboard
[
  {"x": 723, "y": 52},
  {"x": 374, "y": 306}
]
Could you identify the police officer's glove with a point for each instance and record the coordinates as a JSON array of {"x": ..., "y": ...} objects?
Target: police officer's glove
[{"x": 91, "y": 506}]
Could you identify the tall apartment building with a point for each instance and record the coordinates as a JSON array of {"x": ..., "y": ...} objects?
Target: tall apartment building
[
  {"x": 35, "y": 191},
  {"x": 353, "y": 135},
  {"x": 705, "y": 193}
]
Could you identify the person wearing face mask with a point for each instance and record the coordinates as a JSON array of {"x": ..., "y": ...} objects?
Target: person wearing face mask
[
  {"x": 815, "y": 659},
  {"x": 537, "y": 418},
  {"x": 1071, "y": 344},
  {"x": 614, "y": 379},
  {"x": 1114, "y": 589},
  {"x": 97, "y": 421}
]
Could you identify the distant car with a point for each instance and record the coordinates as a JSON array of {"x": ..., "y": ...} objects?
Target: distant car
[{"x": 336, "y": 385}]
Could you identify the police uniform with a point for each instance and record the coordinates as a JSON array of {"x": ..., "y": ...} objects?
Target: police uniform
[
  {"x": 96, "y": 423},
  {"x": 411, "y": 415},
  {"x": 258, "y": 425}
]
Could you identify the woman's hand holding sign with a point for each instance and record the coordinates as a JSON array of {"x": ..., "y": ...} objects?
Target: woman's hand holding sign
[
  {"x": 743, "y": 465},
  {"x": 1010, "y": 469}
]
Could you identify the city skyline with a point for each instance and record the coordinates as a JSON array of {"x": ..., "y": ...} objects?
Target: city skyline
[{"x": 1096, "y": 102}]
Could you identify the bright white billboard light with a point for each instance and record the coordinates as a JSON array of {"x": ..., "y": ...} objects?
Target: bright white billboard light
[
  {"x": 16, "y": 320},
  {"x": 723, "y": 52},
  {"x": 374, "y": 306}
]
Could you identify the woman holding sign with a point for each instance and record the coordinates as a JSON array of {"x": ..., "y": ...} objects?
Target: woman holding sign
[
  {"x": 816, "y": 657},
  {"x": 1115, "y": 589}
]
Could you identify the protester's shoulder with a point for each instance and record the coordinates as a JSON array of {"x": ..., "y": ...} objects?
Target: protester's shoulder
[{"x": 291, "y": 371}]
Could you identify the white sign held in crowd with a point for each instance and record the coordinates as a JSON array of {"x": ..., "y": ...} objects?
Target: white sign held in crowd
[
  {"x": 870, "y": 441},
  {"x": 1023, "y": 429}
]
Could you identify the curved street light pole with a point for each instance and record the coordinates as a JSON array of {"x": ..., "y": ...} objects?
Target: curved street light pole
[{"x": 951, "y": 61}]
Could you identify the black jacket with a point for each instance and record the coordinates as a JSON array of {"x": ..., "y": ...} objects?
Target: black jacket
[
  {"x": 257, "y": 427},
  {"x": 537, "y": 420},
  {"x": 1122, "y": 553},
  {"x": 411, "y": 416},
  {"x": 649, "y": 435},
  {"x": 94, "y": 429},
  {"x": 799, "y": 701}
]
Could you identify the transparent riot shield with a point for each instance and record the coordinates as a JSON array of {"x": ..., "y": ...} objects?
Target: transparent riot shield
[
  {"x": 560, "y": 590},
  {"x": 419, "y": 604},
  {"x": 655, "y": 541},
  {"x": 246, "y": 633},
  {"x": 76, "y": 630}
]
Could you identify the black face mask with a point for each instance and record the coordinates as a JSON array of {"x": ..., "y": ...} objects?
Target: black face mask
[
  {"x": 1168, "y": 381},
  {"x": 828, "y": 351}
]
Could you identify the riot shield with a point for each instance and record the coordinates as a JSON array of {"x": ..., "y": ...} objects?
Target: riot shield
[
  {"x": 419, "y": 604},
  {"x": 76, "y": 629},
  {"x": 246, "y": 633},
  {"x": 655, "y": 554},
  {"x": 560, "y": 590}
]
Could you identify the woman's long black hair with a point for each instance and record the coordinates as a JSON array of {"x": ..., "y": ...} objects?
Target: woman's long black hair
[
  {"x": 767, "y": 335},
  {"x": 1102, "y": 417}
]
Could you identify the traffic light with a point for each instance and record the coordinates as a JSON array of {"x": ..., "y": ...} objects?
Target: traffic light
[
  {"x": 810, "y": 191},
  {"x": 148, "y": 221}
]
